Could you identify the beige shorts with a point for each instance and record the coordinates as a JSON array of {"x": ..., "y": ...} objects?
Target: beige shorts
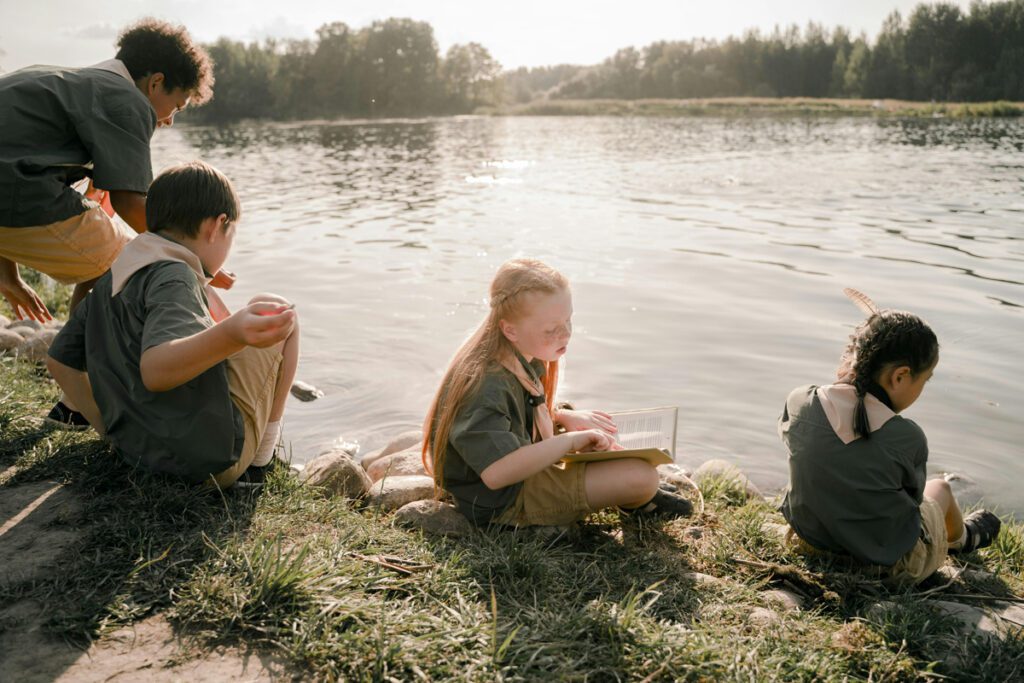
[
  {"x": 252, "y": 378},
  {"x": 552, "y": 497},
  {"x": 920, "y": 562},
  {"x": 75, "y": 250},
  {"x": 929, "y": 553}
]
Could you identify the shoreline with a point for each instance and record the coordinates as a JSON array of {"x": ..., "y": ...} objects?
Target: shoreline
[{"x": 144, "y": 576}]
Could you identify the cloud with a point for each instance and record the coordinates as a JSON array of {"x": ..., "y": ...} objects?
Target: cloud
[
  {"x": 102, "y": 31},
  {"x": 279, "y": 29}
]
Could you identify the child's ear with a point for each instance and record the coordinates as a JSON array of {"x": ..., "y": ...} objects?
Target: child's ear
[
  {"x": 901, "y": 374},
  {"x": 509, "y": 330},
  {"x": 156, "y": 81}
]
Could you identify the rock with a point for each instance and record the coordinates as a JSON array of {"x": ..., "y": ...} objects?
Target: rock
[
  {"x": 403, "y": 441},
  {"x": 726, "y": 471},
  {"x": 785, "y": 600},
  {"x": 54, "y": 324},
  {"x": 997, "y": 620},
  {"x": 392, "y": 493},
  {"x": 35, "y": 347},
  {"x": 434, "y": 517},
  {"x": 4, "y": 321},
  {"x": 400, "y": 464},
  {"x": 305, "y": 392},
  {"x": 762, "y": 617},
  {"x": 775, "y": 531},
  {"x": 674, "y": 474},
  {"x": 9, "y": 340},
  {"x": 705, "y": 579},
  {"x": 948, "y": 572},
  {"x": 337, "y": 472},
  {"x": 27, "y": 323}
]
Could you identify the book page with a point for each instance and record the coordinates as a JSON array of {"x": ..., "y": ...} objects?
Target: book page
[{"x": 653, "y": 428}]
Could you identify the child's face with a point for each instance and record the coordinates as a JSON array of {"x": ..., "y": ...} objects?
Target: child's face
[
  {"x": 166, "y": 103},
  {"x": 904, "y": 388},
  {"x": 544, "y": 330}
]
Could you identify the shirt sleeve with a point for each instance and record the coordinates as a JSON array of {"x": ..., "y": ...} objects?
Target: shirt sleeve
[
  {"x": 174, "y": 309},
  {"x": 116, "y": 130},
  {"x": 482, "y": 431},
  {"x": 68, "y": 346}
]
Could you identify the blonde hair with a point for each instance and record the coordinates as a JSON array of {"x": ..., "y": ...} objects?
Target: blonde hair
[{"x": 512, "y": 284}]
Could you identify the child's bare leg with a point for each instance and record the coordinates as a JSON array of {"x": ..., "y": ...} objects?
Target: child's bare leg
[
  {"x": 628, "y": 483},
  {"x": 940, "y": 491}
]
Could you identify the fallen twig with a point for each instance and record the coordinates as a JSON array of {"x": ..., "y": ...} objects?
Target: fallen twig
[{"x": 396, "y": 564}]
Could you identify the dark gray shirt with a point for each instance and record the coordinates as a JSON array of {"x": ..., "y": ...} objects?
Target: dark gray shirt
[
  {"x": 860, "y": 498},
  {"x": 494, "y": 421},
  {"x": 60, "y": 125},
  {"x": 191, "y": 431}
]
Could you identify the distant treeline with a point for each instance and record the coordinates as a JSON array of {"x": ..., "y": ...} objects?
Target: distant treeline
[{"x": 394, "y": 68}]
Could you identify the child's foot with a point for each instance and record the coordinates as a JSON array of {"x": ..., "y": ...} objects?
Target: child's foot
[
  {"x": 982, "y": 528},
  {"x": 666, "y": 503},
  {"x": 65, "y": 418},
  {"x": 253, "y": 478}
]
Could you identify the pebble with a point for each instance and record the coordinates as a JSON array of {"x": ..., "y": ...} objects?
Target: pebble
[
  {"x": 337, "y": 472},
  {"x": 305, "y": 391},
  {"x": 785, "y": 600}
]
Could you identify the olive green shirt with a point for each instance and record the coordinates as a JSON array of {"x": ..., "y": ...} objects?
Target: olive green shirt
[
  {"x": 860, "y": 498},
  {"x": 191, "y": 431},
  {"x": 494, "y": 421},
  {"x": 59, "y": 125}
]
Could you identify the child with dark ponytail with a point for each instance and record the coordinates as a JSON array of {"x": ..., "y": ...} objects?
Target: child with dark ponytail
[{"x": 858, "y": 468}]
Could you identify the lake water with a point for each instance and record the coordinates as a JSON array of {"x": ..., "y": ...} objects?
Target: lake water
[{"x": 707, "y": 259}]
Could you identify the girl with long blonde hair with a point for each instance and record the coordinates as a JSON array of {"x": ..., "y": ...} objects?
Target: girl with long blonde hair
[{"x": 490, "y": 435}]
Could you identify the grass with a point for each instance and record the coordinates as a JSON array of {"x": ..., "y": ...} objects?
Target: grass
[
  {"x": 760, "y": 106},
  {"x": 287, "y": 572}
]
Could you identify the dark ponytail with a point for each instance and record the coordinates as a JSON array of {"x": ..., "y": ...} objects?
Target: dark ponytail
[{"x": 888, "y": 338}]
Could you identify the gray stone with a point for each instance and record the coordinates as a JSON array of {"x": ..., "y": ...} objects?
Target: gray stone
[
  {"x": 392, "y": 493},
  {"x": 674, "y": 474},
  {"x": 337, "y": 472},
  {"x": 305, "y": 392},
  {"x": 402, "y": 442},
  {"x": 762, "y": 616},
  {"x": 705, "y": 579},
  {"x": 9, "y": 340},
  {"x": 775, "y": 531},
  {"x": 997, "y": 620},
  {"x": 726, "y": 471},
  {"x": 4, "y": 321},
  {"x": 400, "y": 464},
  {"x": 27, "y": 323},
  {"x": 783, "y": 599},
  {"x": 434, "y": 517},
  {"x": 34, "y": 349}
]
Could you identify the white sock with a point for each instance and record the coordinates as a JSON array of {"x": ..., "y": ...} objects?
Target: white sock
[
  {"x": 959, "y": 543},
  {"x": 265, "y": 450}
]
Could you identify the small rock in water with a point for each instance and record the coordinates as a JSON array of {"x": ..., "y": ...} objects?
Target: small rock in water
[
  {"x": 305, "y": 392},
  {"x": 392, "y": 493},
  {"x": 434, "y": 517},
  {"x": 337, "y": 472}
]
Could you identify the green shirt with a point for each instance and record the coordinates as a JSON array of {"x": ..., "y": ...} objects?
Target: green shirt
[
  {"x": 860, "y": 498},
  {"x": 58, "y": 126},
  {"x": 191, "y": 431},
  {"x": 494, "y": 421}
]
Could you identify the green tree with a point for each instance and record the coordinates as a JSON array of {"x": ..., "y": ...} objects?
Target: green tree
[{"x": 471, "y": 77}]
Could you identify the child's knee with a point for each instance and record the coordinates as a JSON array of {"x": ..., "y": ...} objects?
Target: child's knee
[
  {"x": 268, "y": 298},
  {"x": 640, "y": 479},
  {"x": 938, "y": 489}
]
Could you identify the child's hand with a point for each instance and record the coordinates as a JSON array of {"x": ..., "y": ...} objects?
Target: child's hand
[
  {"x": 262, "y": 324},
  {"x": 580, "y": 420},
  {"x": 592, "y": 440}
]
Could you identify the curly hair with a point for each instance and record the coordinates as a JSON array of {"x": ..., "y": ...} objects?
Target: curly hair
[
  {"x": 887, "y": 339},
  {"x": 152, "y": 46}
]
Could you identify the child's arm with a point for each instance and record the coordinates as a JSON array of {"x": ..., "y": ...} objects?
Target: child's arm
[
  {"x": 173, "y": 363},
  {"x": 527, "y": 461},
  {"x": 131, "y": 207},
  {"x": 75, "y": 383},
  {"x": 579, "y": 420}
]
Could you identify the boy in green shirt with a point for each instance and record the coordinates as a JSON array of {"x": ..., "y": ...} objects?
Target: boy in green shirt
[{"x": 174, "y": 391}]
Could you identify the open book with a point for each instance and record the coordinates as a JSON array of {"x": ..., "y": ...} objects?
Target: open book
[{"x": 649, "y": 434}]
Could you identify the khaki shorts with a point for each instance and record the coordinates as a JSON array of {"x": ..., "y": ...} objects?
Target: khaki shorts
[
  {"x": 929, "y": 553},
  {"x": 75, "y": 250},
  {"x": 552, "y": 497},
  {"x": 920, "y": 562},
  {"x": 252, "y": 378}
]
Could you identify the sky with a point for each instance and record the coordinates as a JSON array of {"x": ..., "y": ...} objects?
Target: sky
[{"x": 519, "y": 33}]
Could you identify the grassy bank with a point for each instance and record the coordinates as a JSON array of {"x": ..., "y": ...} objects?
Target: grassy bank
[
  {"x": 761, "y": 106},
  {"x": 294, "y": 572}
]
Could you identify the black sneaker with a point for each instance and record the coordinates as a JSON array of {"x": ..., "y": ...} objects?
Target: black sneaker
[
  {"x": 65, "y": 418},
  {"x": 252, "y": 479},
  {"x": 666, "y": 503},
  {"x": 982, "y": 528}
]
